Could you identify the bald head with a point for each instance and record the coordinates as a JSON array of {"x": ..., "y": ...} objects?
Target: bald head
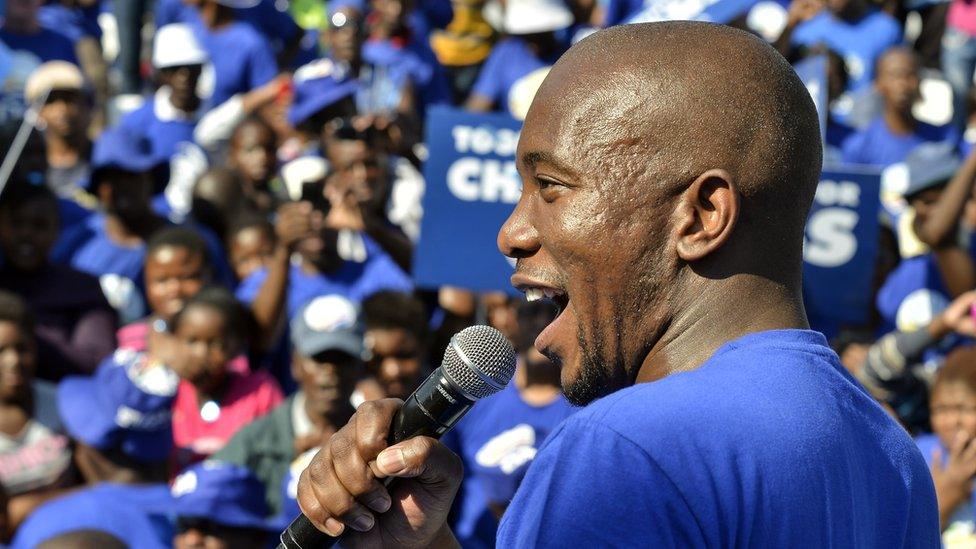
[{"x": 665, "y": 166}]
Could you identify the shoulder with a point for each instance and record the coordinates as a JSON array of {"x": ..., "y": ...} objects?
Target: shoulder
[{"x": 880, "y": 20}]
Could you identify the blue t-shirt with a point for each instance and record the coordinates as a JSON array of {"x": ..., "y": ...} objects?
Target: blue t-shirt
[
  {"x": 875, "y": 145},
  {"x": 163, "y": 135},
  {"x": 354, "y": 281},
  {"x": 74, "y": 23},
  {"x": 497, "y": 441},
  {"x": 509, "y": 62},
  {"x": 47, "y": 45},
  {"x": 915, "y": 284},
  {"x": 770, "y": 443},
  {"x": 860, "y": 43},
  {"x": 387, "y": 70},
  {"x": 276, "y": 26},
  {"x": 241, "y": 57},
  {"x": 140, "y": 516}
]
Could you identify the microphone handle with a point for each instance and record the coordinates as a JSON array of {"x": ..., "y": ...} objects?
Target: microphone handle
[{"x": 430, "y": 411}]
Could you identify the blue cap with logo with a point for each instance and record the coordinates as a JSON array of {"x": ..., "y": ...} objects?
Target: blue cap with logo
[
  {"x": 928, "y": 165},
  {"x": 327, "y": 323},
  {"x": 318, "y": 85},
  {"x": 126, "y": 405},
  {"x": 224, "y": 493},
  {"x": 122, "y": 149}
]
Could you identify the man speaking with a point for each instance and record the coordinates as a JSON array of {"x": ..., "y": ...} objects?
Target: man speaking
[{"x": 667, "y": 173}]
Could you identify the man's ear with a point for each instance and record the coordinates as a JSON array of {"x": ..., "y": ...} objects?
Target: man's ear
[{"x": 707, "y": 214}]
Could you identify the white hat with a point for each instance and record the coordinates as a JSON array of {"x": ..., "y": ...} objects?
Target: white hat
[
  {"x": 53, "y": 75},
  {"x": 528, "y": 16},
  {"x": 302, "y": 170},
  {"x": 175, "y": 46}
]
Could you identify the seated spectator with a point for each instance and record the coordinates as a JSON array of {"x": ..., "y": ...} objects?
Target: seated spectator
[
  {"x": 251, "y": 242},
  {"x": 169, "y": 117},
  {"x": 396, "y": 339},
  {"x": 35, "y": 455},
  {"x": 529, "y": 50},
  {"x": 214, "y": 401},
  {"x": 327, "y": 364},
  {"x": 74, "y": 325},
  {"x": 21, "y": 30},
  {"x": 852, "y": 28},
  {"x": 500, "y": 436},
  {"x": 242, "y": 59},
  {"x": 66, "y": 114},
  {"x": 253, "y": 155},
  {"x": 120, "y": 421},
  {"x": 111, "y": 244},
  {"x": 218, "y": 197},
  {"x": 938, "y": 188},
  {"x": 324, "y": 91},
  {"x": 891, "y": 136},
  {"x": 220, "y": 505},
  {"x": 949, "y": 451}
]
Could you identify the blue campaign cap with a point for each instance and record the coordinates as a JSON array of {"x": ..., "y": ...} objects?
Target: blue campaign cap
[
  {"x": 317, "y": 85},
  {"x": 327, "y": 323},
  {"x": 122, "y": 149},
  {"x": 126, "y": 405},
  {"x": 928, "y": 165},
  {"x": 224, "y": 493}
]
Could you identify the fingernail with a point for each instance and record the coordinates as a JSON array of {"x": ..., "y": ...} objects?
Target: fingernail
[
  {"x": 334, "y": 527},
  {"x": 391, "y": 461},
  {"x": 363, "y": 523},
  {"x": 380, "y": 504}
]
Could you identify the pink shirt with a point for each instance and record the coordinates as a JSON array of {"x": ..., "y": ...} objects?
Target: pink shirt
[
  {"x": 248, "y": 397},
  {"x": 135, "y": 336},
  {"x": 962, "y": 16}
]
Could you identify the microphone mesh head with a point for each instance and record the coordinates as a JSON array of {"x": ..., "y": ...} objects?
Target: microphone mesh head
[{"x": 480, "y": 361}]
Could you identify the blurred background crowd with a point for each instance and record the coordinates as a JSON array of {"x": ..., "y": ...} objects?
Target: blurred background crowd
[{"x": 209, "y": 211}]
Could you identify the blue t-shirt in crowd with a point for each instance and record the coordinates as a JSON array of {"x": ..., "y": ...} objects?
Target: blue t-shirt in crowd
[
  {"x": 276, "y": 26},
  {"x": 139, "y": 515},
  {"x": 353, "y": 280},
  {"x": 911, "y": 290},
  {"x": 510, "y": 61},
  {"x": 387, "y": 69},
  {"x": 860, "y": 43},
  {"x": 47, "y": 45},
  {"x": 241, "y": 57},
  {"x": 770, "y": 443},
  {"x": 876, "y": 145},
  {"x": 162, "y": 125},
  {"x": 75, "y": 23},
  {"x": 497, "y": 441}
]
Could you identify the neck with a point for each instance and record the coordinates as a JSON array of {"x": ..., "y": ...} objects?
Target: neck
[
  {"x": 63, "y": 151},
  {"x": 331, "y": 420},
  {"x": 711, "y": 319},
  {"x": 215, "y": 16},
  {"x": 900, "y": 123}
]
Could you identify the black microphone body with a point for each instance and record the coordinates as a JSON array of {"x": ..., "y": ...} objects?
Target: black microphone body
[{"x": 431, "y": 410}]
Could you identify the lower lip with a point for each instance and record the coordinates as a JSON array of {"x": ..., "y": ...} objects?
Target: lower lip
[{"x": 546, "y": 341}]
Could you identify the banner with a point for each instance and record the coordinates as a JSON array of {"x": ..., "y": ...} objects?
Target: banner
[
  {"x": 813, "y": 72},
  {"x": 472, "y": 187},
  {"x": 840, "y": 248}
]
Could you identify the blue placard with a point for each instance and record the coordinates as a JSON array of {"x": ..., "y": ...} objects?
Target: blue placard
[
  {"x": 472, "y": 186},
  {"x": 840, "y": 248},
  {"x": 813, "y": 72}
]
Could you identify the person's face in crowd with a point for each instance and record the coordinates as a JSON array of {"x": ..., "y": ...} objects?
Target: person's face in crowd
[
  {"x": 396, "y": 360},
  {"x": 182, "y": 82},
  {"x": 249, "y": 251},
  {"x": 28, "y": 232},
  {"x": 391, "y": 14},
  {"x": 173, "y": 275},
  {"x": 253, "y": 153},
  {"x": 127, "y": 195},
  {"x": 66, "y": 113},
  {"x": 345, "y": 36},
  {"x": 206, "y": 348},
  {"x": 502, "y": 314},
  {"x": 953, "y": 412},
  {"x": 206, "y": 534},
  {"x": 22, "y": 10},
  {"x": 17, "y": 360},
  {"x": 328, "y": 380},
  {"x": 321, "y": 250},
  {"x": 853, "y": 356},
  {"x": 846, "y": 9},
  {"x": 359, "y": 168},
  {"x": 923, "y": 203},
  {"x": 897, "y": 80}
]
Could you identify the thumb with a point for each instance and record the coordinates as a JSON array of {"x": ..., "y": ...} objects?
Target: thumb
[{"x": 422, "y": 458}]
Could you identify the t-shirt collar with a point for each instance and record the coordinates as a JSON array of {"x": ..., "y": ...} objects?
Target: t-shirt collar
[{"x": 166, "y": 112}]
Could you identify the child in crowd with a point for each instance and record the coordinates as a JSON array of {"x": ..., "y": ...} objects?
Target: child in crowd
[
  {"x": 214, "y": 401},
  {"x": 253, "y": 150},
  {"x": 951, "y": 451},
  {"x": 35, "y": 455},
  {"x": 251, "y": 243}
]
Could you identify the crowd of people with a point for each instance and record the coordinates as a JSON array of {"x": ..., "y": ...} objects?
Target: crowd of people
[{"x": 209, "y": 208}]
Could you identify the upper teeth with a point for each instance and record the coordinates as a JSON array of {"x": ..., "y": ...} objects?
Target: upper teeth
[{"x": 534, "y": 294}]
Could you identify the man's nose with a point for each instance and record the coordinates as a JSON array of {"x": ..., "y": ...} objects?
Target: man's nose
[{"x": 518, "y": 237}]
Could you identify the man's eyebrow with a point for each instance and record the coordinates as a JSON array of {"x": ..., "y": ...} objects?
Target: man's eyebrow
[{"x": 533, "y": 158}]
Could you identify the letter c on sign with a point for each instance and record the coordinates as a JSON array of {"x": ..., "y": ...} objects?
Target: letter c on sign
[{"x": 463, "y": 177}]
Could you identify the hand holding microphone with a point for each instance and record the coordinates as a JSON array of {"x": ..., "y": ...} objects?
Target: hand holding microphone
[{"x": 346, "y": 491}]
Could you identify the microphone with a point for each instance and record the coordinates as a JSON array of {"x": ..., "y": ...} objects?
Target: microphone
[{"x": 478, "y": 362}]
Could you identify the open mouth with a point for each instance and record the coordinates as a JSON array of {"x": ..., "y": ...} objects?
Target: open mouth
[
  {"x": 552, "y": 295},
  {"x": 548, "y": 341}
]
